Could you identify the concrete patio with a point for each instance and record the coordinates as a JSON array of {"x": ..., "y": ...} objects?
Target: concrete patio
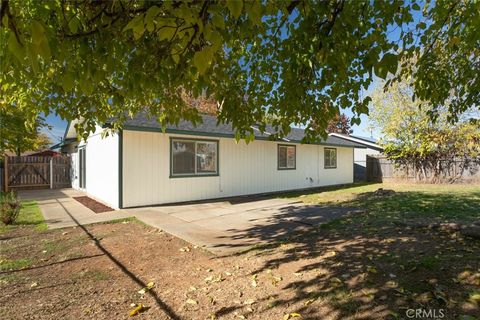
[
  {"x": 60, "y": 210},
  {"x": 222, "y": 227}
]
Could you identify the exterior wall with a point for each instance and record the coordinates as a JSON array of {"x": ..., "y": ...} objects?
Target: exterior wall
[
  {"x": 360, "y": 159},
  {"x": 361, "y": 155},
  {"x": 101, "y": 167},
  {"x": 243, "y": 169}
]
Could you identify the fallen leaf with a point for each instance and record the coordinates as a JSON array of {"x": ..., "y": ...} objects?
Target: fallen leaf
[
  {"x": 254, "y": 281},
  {"x": 330, "y": 254},
  {"x": 475, "y": 297},
  {"x": 191, "y": 301},
  {"x": 149, "y": 286},
  {"x": 33, "y": 285},
  {"x": 138, "y": 309},
  {"x": 372, "y": 269},
  {"x": 308, "y": 302}
]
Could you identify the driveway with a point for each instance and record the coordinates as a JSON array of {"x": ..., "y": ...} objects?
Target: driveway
[{"x": 222, "y": 227}]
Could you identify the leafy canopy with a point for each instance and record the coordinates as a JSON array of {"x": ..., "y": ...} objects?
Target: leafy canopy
[
  {"x": 281, "y": 60},
  {"x": 18, "y": 135},
  {"x": 412, "y": 139}
]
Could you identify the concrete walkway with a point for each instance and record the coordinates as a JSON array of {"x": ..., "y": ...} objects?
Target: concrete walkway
[
  {"x": 60, "y": 210},
  {"x": 222, "y": 227}
]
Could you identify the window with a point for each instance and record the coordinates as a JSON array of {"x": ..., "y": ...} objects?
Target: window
[
  {"x": 286, "y": 157},
  {"x": 193, "y": 157},
  {"x": 330, "y": 158}
]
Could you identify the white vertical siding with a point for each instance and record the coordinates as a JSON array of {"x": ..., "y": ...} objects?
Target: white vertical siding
[
  {"x": 361, "y": 155},
  {"x": 101, "y": 167},
  {"x": 244, "y": 169}
]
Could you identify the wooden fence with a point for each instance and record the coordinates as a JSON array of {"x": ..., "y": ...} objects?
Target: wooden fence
[
  {"x": 379, "y": 169},
  {"x": 26, "y": 172}
]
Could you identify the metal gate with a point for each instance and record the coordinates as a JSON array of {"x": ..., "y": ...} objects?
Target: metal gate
[{"x": 28, "y": 172}]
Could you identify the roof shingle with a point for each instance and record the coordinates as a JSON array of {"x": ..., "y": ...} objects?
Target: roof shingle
[{"x": 209, "y": 127}]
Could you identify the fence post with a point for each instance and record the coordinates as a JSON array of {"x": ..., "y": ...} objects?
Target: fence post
[
  {"x": 5, "y": 163},
  {"x": 51, "y": 173}
]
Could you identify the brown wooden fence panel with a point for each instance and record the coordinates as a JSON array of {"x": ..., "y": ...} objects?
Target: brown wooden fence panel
[
  {"x": 61, "y": 172},
  {"x": 379, "y": 169},
  {"x": 24, "y": 172}
]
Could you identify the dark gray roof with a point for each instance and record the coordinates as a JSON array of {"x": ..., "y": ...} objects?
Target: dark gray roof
[{"x": 209, "y": 127}]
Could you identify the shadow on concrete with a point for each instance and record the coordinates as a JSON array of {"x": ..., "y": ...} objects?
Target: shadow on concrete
[{"x": 378, "y": 269}]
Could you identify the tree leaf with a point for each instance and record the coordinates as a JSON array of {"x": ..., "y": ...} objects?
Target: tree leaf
[
  {"x": 166, "y": 33},
  {"x": 201, "y": 60},
  {"x": 38, "y": 32},
  {"x": 16, "y": 48},
  {"x": 74, "y": 24},
  {"x": 133, "y": 23},
  {"x": 152, "y": 12},
  {"x": 235, "y": 7},
  {"x": 67, "y": 81},
  {"x": 389, "y": 63},
  {"x": 217, "y": 21}
]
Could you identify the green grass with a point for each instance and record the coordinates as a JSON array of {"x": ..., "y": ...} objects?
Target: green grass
[
  {"x": 446, "y": 203},
  {"x": 30, "y": 215},
  {"x": 6, "y": 264}
]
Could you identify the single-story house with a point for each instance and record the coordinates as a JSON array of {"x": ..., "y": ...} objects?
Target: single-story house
[
  {"x": 142, "y": 166},
  {"x": 370, "y": 147}
]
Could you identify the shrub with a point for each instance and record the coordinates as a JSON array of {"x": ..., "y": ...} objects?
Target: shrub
[{"x": 9, "y": 207}]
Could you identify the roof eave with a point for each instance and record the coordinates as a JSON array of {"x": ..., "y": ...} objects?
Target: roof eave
[{"x": 224, "y": 135}]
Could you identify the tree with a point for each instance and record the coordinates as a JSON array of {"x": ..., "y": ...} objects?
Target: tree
[
  {"x": 95, "y": 60},
  {"x": 17, "y": 136},
  {"x": 412, "y": 139},
  {"x": 340, "y": 124}
]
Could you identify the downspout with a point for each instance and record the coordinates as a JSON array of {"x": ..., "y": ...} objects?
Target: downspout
[{"x": 120, "y": 169}]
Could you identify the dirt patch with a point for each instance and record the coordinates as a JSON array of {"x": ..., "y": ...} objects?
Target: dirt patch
[
  {"x": 93, "y": 205},
  {"x": 339, "y": 271}
]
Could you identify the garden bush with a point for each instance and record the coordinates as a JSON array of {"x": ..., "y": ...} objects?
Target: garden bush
[{"x": 9, "y": 207}]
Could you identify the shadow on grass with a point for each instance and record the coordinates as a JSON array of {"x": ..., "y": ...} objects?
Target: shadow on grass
[{"x": 362, "y": 264}]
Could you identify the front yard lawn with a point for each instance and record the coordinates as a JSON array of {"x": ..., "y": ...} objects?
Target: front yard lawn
[{"x": 364, "y": 266}]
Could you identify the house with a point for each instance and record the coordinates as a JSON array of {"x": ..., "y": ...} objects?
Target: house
[
  {"x": 369, "y": 147},
  {"x": 141, "y": 165}
]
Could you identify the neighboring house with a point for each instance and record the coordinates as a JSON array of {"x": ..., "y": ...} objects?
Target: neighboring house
[
  {"x": 142, "y": 166},
  {"x": 369, "y": 147}
]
